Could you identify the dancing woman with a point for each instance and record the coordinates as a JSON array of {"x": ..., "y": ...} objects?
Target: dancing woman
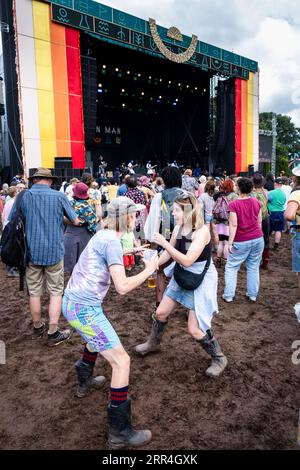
[
  {"x": 190, "y": 248},
  {"x": 82, "y": 306}
]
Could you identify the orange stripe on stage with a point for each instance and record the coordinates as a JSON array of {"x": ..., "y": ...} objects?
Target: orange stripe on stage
[
  {"x": 60, "y": 88},
  {"x": 244, "y": 166}
]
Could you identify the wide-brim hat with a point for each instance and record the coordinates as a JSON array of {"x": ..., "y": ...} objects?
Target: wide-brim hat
[
  {"x": 144, "y": 181},
  {"x": 123, "y": 206},
  {"x": 80, "y": 191},
  {"x": 43, "y": 173}
]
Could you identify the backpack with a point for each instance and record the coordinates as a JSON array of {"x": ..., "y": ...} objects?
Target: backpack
[
  {"x": 263, "y": 199},
  {"x": 168, "y": 197},
  {"x": 13, "y": 246},
  {"x": 221, "y": 209}
]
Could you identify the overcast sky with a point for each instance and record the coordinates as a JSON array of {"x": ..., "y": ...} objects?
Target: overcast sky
[{"x": 267, "y": 31}]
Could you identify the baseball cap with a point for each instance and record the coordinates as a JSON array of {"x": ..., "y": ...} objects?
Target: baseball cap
[
  {"x": 123, "y": 205},
  {"x": 279, "y": 181}
]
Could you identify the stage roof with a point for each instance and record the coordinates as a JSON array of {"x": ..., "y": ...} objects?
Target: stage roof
[{"x": 121, "y": 28}]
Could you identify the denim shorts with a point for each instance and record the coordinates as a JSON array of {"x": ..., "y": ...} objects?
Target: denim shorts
[
  {"x": 182, "y": 296},
  {"x": 277, "y": 222},
  {"x": 91, "y": 324},
  {"x": 296, "y": 253}
]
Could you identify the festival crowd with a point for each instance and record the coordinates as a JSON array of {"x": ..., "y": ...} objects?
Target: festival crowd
[{"x": 92, "y": 234}]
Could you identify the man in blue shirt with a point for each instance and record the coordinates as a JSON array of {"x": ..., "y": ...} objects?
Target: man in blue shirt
[{"x": 44, "y": 210}]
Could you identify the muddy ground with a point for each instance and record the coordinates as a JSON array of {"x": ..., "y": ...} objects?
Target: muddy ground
[{"x": 254, "y": 405}]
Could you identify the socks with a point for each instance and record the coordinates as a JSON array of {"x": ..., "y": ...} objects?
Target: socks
[
  {"x": 88, "y": 356},
  {"x": 118, "y": 396}
]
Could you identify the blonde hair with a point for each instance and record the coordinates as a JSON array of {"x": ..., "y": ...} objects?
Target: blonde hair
[
  {"x": 12, "y": 191},
  {"x": 192, "y": 211},
  {"x": 188, "y": 172}
]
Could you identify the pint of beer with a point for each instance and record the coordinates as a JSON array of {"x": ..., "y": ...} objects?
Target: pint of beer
[
  {"x": 148, "y": 254},
  {"x": 152, "y": 281}
]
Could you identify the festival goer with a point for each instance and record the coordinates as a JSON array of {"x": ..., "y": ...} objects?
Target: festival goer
[
  {"x": 160, "y": 217},
  {"x": 293, "y": 213},
  {"x": 94, "y": 194},
  {"x": 70, "y": 188},
  {"x": 144, "y": 183},
  {"x": 207, "y": 202},
  {"x": 276, "y": 205},
  {"x": 77, "y": 237},
  {"x": 269, "y": 182},
  {"x": 19, "y": 178},
  {"x": 189, "y": 183},
  {"x": 82, "y": 307},
  {"x": 190, "y": 247},
  {"x": 12, "y": 192},
  {"x": 112, "y": 190},
  {"x": 262, "y": 196},
  {"x": 123, "y": 188},
  {"x": 4, "y": 191},
  {"x": 202, "y": 181},
  {"x": 43, "y": 210},
  {"x": 222, "y": 226},
  {"x": 158, "y": 185},
  {"x": 138, "y": 197},
  {"x": 287, "y": 189},
  {"x": 246, "y": 243}
]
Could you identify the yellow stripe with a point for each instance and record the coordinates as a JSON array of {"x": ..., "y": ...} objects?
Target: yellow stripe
[
  {"x": 41, "y": 21},
  {"x": 250, "y": 156}
]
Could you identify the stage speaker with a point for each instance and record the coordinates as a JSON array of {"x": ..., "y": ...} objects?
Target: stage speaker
[
  {"x": 89, "y": 93},
  {"x": 251, "y": 170}
]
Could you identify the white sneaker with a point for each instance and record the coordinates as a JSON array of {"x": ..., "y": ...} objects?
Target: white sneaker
[
  {"x": 227, "y": 299},
  {"x": 252, "y": 299}
]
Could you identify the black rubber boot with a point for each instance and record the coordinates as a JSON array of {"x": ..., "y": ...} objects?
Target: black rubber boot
[
  {"x": 212, "y": 347},
  {"x": 153, "y": 342},
  {"x": 85, "y": 378},
  {"x": 120, "y": 431}
]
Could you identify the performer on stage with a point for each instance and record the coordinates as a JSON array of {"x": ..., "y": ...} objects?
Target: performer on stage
[{"x": 150, "y": 169}]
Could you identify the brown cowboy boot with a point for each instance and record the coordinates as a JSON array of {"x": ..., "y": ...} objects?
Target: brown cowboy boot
[
  {"x": 212, "y": 347},
  {"x": 120, "y": 431},
  {"x": 153, "y": 342}
]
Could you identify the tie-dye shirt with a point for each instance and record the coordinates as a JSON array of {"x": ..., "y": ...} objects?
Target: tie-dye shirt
[{"x": 90, "y": 279}]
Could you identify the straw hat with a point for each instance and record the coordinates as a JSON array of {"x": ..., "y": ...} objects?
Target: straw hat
[{"x": 43, "y": 173}]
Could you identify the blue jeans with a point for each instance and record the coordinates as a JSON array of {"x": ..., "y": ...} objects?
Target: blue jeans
[{"x": 249, "y": 252}]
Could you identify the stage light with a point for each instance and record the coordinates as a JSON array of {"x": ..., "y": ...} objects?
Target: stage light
[
  {"x": 139, "y": 75},
  {"x": 176, "y": 100},
  {"x": 170, "y": 82},
  {"x": 128, "y": 72},
  {"x": 157, "y": 101},
  {"x": 123, "y": 91},
  {"x": 104, "y": 66},
  {"x": 100, "y": 91},
  {"x": 123, "y": 105},
  {"x": 196, "y": 88},
  {"x": 174, "y": 104},
  {"x": 179, "y": 84},
  {"x": 160, "y": 97},
  {"x": 100, "y": 85},
  {"x": 160, "y": 79},
  {"x": 204, "y": 90},
  {"x": 116, "y": 69},
  {"x": 142, "y": 93},
  {"x": 150, "y": 78}
]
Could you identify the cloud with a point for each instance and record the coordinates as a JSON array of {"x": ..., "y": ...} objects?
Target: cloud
[{"x": 267, "y": 31}]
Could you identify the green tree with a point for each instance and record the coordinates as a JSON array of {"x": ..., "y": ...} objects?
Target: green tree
[{"x": 288, "y": 137}]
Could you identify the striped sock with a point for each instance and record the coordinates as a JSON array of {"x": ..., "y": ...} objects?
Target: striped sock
[
  {"x": 118, "y": 395},
  {"x": 88, "y": 356}
]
